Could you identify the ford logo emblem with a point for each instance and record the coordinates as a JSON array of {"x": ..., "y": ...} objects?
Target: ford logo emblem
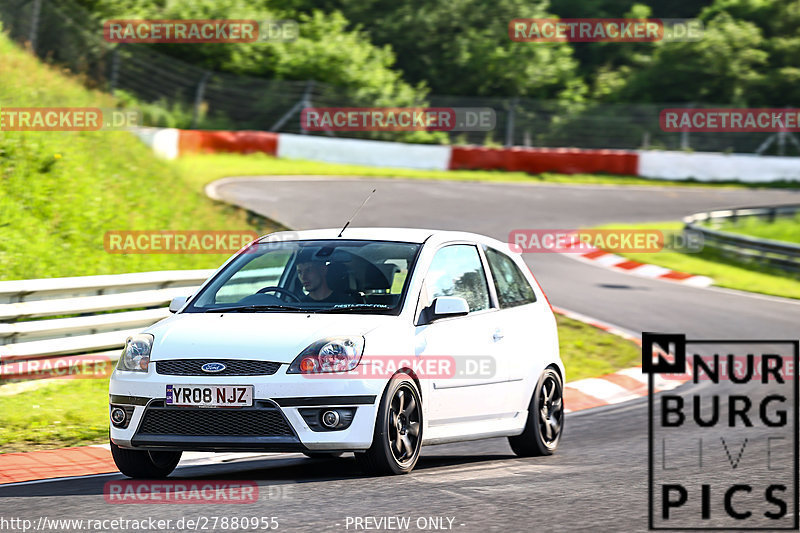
[{"x": 212, "y": 367}]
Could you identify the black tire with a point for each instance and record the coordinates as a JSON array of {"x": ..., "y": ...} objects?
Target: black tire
[
  {"x": 545, "y": 423},
  {"x": 323, "y": 455},
  {"x": 142, "y": 464},
  {"x": 397, "y": 439}
]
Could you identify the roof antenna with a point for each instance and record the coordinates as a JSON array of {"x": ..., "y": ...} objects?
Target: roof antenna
[{"x": 357, "y": 210}]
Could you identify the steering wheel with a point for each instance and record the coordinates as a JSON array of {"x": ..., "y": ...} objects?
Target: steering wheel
[{"x": 279, "y": 290}]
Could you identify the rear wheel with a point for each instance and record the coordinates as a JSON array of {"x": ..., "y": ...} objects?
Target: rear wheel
[
  {"x": 143, "y": 464},
  {"x": 545, "y": 418},
  {"x": 397, "y": 439}
]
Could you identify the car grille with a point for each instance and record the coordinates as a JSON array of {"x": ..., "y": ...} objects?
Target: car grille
[
  {"x": 263, "y": 420},
  {"x": 233, "y": 367}
]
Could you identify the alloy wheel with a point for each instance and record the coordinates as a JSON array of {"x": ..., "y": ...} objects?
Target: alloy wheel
[
  {"x": 551, "y": 410},
  {"x": 404, "y": 425}
]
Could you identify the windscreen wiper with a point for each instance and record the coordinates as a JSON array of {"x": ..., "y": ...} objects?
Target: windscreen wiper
[
  {"x": 354, "y": 307},
  {"x": 253, "y": 308}
]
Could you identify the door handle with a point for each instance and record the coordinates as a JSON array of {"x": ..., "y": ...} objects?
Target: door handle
[{"x": 498, "y": 335}]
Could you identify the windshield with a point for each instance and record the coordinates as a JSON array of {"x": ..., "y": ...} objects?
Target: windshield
[{"x": 320, "y": 276}]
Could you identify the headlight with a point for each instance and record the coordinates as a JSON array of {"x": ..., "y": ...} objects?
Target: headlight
[
  {"x": 136, "y": 354},
  {"x": 329, "y": 355}
]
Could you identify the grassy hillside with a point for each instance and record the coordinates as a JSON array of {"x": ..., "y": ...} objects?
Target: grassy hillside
[{"x": 61, "y": 191}]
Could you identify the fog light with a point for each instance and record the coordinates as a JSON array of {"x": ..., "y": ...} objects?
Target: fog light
[
  {"x": 118, "y": 416},
  {"x": 326, "y": 418},
  {"x": 330, "y": 419}
]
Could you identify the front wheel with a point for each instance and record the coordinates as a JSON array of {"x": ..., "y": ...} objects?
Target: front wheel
[
  {"x": 397, "y": 439},
  {"x": 545, "y": 418},
  {"x": 143, "y": 464}
]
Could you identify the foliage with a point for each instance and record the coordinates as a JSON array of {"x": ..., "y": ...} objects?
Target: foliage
[
  {"x": 461, "y": 47},
  {"x": 326, "y": 49},
  {"x": 747, "y": 57},
  {"x": 386, "y": 53}
]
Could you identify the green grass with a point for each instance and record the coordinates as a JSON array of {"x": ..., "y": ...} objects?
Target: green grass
[
  {"x": 782, "y": 229},
  {"x": 60, "y": 192},
  {"x": 56, "y": 414},
  {"x": 71, "y": 412},
  {"x": 724, "y": 271},
  {"x": 202, "y": 169},
  {"x": 590, "y": 352}
]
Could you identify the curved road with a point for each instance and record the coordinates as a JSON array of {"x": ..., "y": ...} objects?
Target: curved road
[
  {"x": 493, "y": 209},
  {"x": 598, "y": 479}
]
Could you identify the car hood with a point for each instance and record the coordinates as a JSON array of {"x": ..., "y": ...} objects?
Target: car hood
[{"x": 276, "y": 337}]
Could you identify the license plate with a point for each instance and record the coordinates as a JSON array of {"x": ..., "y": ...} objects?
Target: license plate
[{"x": 210, "y": 395}]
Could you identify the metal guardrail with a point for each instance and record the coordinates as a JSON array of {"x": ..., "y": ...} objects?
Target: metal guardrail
[
  {"x": 82, "y": 323},
  {"x": 80, "y": 319},
  {"x": 777, "y": 254}
]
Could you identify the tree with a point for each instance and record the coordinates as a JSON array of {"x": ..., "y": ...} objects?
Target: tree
[
  {"x": 462, "y": 47},
  {"x": 326, "y": 50}
]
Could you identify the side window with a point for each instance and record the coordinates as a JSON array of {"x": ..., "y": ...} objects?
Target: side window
[
  {"x": 512, "y": 287},
  {"x": 457, "y": 271}
]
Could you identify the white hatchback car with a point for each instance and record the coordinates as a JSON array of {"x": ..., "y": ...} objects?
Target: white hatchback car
[{"x": 376, "y": 342}]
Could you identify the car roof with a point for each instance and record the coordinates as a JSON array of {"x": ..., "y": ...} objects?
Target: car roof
[{"x": 382, "y": 234}]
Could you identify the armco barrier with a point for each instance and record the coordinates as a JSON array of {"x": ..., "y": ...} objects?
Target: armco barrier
[
  {"x": 711, "y": 166},
  {"x": 538, "y": 160},
  {"x": 778, "y": 254},
  {"x": 163, "y": 141},
  {"x": 363, "y": 152},
  {"x": 90, "y": 329},
  {"x": 245, "y": 142},
  {"x": 170, "y": 143},
  {"x": 86, "y": 328}
]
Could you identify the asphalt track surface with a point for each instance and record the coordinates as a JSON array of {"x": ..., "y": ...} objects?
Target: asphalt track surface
[{"x": 597, "y": 481}]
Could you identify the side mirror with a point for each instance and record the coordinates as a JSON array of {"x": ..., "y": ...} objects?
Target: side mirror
[
  {"x": 176, "y": 303},
  {"x": 446, "y": 307}
]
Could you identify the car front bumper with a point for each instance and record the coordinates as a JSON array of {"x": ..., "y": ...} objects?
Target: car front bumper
[{"x": 279, "y": 401}]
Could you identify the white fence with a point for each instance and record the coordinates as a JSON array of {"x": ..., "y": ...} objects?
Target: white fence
[{"x": 46, "y": 318}]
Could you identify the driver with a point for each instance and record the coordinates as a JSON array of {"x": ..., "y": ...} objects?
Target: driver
[{"x": 312, "y": 274}]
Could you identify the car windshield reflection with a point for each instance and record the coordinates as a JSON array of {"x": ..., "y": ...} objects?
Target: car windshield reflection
[{"x": 326, "y": 276}]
